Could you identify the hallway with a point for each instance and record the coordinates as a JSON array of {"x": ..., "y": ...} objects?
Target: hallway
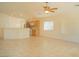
[{"x": 39, "y": 46}]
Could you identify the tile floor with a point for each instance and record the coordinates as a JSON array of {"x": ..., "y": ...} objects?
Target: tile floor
[{"x": 38, "y": 46}]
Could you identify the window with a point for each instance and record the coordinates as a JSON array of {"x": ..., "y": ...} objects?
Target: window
[{"x": 48, "y": 25}]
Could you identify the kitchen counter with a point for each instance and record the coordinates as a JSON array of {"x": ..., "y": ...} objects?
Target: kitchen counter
[{"x": 16, "y": 33}]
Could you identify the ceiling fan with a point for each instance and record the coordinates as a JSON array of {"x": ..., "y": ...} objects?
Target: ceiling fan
[{"x": 48, "y": 9}]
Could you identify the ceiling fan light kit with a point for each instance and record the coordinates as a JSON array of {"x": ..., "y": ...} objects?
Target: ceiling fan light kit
[{"x": 46, "y": 11}]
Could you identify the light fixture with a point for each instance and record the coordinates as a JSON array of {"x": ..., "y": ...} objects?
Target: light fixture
[{"x": 48, "y": 9}]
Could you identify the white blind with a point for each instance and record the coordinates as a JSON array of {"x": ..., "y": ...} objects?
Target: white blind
[{"x": 48, "y": 25}]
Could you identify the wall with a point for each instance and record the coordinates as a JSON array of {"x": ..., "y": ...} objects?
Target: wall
[
  {"x": 56, "y": 33},
  {"x": 71, "y": 26},
  {"x": 66, "y": 27}
]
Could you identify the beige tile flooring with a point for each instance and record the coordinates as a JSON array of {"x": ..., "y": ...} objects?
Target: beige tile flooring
[{"x": 38, "y": 46}]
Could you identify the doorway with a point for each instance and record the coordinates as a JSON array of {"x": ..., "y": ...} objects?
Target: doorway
[{"x": 34, "y": 27}]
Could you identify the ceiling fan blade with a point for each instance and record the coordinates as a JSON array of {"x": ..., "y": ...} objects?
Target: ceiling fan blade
[
  {"x": 52, "y": 11},
  {"x": 54, "y": 8}
]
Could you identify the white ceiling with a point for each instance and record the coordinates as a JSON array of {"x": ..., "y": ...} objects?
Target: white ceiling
[{"x": 35, "y": 9}]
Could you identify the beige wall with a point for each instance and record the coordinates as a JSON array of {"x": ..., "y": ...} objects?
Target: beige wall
[
  {"x": 56, "y": 33},
  {"x": 71, "y": 26},
  {"x": 66, "y": 27}
]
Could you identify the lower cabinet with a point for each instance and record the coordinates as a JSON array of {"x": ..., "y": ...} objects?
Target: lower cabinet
[{"x": 16, "y": 33}]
